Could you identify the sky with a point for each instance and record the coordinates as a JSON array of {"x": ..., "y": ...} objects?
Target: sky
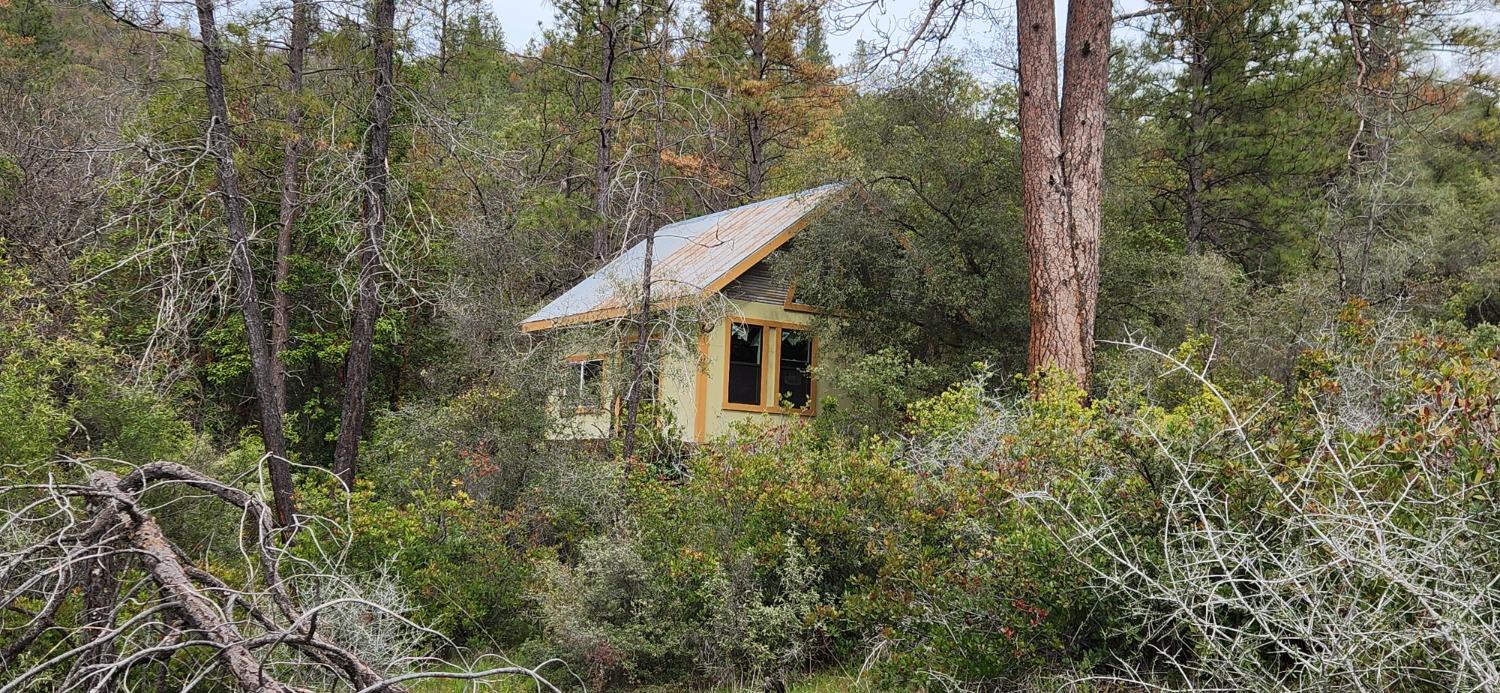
[
  {"x": 522, "y": 20},
  {"x": 985, "y": 44}
]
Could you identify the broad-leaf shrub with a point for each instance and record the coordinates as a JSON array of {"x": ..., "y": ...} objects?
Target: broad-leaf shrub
[
  {"x": 463, "y": 563},
  {"x": 782, "y": 549},
  {"x": 1339, "y": 533},
  {"x": 61, "y": 390}
]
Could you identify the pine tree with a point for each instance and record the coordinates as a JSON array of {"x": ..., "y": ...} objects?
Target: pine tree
[{"x": 768, "y": 63}]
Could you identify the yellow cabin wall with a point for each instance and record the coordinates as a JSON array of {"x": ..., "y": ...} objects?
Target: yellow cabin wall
[
  {"x": 571, "y": 423},
  {"x": 697, "y": 396},
  {"x": 716, "y": 419}
]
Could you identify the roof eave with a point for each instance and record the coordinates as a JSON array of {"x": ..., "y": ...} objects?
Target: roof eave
[{"x": 733, "y": 273}]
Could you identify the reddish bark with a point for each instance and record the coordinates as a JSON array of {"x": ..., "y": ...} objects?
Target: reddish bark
[{"x": 1062, "y": 149}]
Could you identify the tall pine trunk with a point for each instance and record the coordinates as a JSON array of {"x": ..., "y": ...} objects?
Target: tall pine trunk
[
  {"x": 755, "y": 124},
  {"x": 1196, "y": 187},
  {"x": 1061, "y": 168},
  {"x": 367, "y": 293},
  {"x": 609, "y": 29},
  {"x": 638, "y": 356},
  {"x": 291, "y": 193},
  {"x": 262, "y": 359},
  {"x": 655, "y": 214}
]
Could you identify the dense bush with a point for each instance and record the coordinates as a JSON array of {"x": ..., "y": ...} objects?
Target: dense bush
[
  {"x": 783, "y": 549},
  {"x": 63, "y": 386},
  {"x": 1340, "y": 535},
  {"x": 463, "y": 562}
]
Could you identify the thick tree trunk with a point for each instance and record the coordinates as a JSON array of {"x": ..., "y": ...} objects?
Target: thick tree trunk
[
  {"x": 186, "y": 588},
  {"x": 1054, "y": 294},
  {"x": 160, "y": 560},
  {"x": 1084, "y": 100},
  {"x": 609, "y": 30},
  {"x": 101, "y": 587},
  {"x": 1061, "y": 167},
  {"x": 262, "y": 360},
  {"x": 291, "y": 192},
  {"x": 367, "y": 295}
]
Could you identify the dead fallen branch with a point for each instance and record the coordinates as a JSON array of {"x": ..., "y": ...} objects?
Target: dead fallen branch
[{"x": 97, "y": 596}]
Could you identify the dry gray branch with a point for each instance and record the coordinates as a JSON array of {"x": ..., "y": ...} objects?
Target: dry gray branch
[{"x": 253, "y": 632}]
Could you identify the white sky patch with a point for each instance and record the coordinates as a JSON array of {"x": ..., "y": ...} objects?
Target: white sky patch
[{"x": 985, "y": 40}]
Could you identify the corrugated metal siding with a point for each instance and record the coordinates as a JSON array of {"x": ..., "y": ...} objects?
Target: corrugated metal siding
[{"x": 758, "y": 284}]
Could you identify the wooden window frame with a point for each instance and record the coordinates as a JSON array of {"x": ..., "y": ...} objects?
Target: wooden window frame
[
  {"x": 793, "y": 305},
  {"x": 575, "y": 360},
  {"x": 771, "y": 368}
]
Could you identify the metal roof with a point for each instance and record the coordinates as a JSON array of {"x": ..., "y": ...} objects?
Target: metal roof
[{"x": 692, "y": 257}]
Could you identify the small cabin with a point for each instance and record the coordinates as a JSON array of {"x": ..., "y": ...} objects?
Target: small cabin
[{"x": 744, "y": 350}]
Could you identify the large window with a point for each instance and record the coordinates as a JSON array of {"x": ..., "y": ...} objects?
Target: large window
[
  {"x": 769, "y": 366},
  {"x": 746, "y": 363},
  {"x": 794, "y": 368}
]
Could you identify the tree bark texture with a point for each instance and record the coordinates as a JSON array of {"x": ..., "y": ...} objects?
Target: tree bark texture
[
  {"x": 1062, "y": 148},
  {"x": 187, "y": 588},
  {"x": 291, "y": 193},
  {"x": 638, "y": 365},
  {"x": 1194, "y": 214},
  {"x": 101, "y": 587},
  {"x": 653, "y": 215},
  {"x": 160, "y": 560},
  {"x": 367, "y": 294},
  {"x": 262, "y": 360},
  {"x": 609, "y": 36},
  {"x": 755, "y": 124}
]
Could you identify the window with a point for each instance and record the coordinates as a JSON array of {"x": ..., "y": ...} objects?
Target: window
[
  {"x": 746, "y": 347},
  {"x": 794, "y": 368},
  {"x": 585, "y": 389},
  {"x": 753, "y": 363},
  {"x": 791, "y": 302}
]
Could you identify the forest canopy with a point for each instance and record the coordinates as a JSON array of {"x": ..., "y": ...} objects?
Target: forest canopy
[{"x": 270, "y": 421}]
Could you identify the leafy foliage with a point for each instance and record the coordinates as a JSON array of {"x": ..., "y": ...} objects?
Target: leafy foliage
[
  {"x": 1300, "y": 495},
  {"x": 63, "y": 384}
]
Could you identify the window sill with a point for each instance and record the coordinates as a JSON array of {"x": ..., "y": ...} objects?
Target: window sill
[{"x": 761, "y": 409}]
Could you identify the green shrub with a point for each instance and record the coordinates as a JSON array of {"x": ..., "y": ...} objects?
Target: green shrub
[
  {"x": 780, "y": 550},
  {"x": 463, "y": 563},
  {"x": 875, "y": 392},
  {"x": 62, "y": 385},
  {"x": 610, "y": 615}
]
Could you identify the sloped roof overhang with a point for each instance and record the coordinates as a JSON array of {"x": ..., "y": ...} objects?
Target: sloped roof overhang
[{"x": 694, "y": 257}]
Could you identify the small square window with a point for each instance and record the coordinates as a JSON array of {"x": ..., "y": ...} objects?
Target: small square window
[{"x": 585, "y": 388}]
